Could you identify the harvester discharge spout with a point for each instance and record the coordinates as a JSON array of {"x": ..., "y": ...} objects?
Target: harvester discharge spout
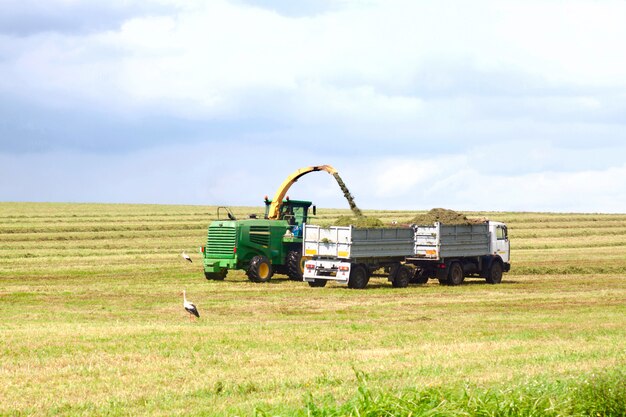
[{"x": 277, "y": 201}]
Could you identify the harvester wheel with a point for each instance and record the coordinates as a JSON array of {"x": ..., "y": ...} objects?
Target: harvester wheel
[
  {"x": 455, "y": 275},
  {"x": 295, "y": 265},
  {"x": 217, "y": 276},
  {"x": 358, "y": 277},
  {"x": 403, "y": 275},
  {"x": 318, "y": 283},
  {"x": 260, "y": 269},
  {"x": 494, "y": 276}
]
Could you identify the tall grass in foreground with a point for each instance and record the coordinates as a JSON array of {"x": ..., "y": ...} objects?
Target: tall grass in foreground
[{"x": 602, "y": 394}]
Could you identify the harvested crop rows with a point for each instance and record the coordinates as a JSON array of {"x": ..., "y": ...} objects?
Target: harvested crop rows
[{"x": 92, "y": 323}]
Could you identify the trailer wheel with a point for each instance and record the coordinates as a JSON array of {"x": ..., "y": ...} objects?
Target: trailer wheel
[
  {"x": 295, "y": 265},
  {"x": 494, "y": 275},
  {"x": 318, "y": 283},
  {"x": 358, "y": 277},
  {"x": 260, "y": 269},
  {"x": 455, "y": 275},
  {"x": 403, "y": 275},
  {"x": 217, "y": 276}
]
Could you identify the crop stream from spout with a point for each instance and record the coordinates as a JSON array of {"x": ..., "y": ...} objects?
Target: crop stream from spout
[{"x": 348, "y": 196}]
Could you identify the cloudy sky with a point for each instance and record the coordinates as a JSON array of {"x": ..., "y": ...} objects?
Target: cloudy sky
[{"x": 482, "y": 105}]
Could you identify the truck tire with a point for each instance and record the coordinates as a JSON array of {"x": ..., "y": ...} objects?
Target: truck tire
[
  {"x": 217, "y": 276},
  {"x": 318, "y": 283},
  {"x": 295, "y": 265},
  {"x": 358, "y": 277},
  {"x": 402, "y": 278},
  {"x": 494, "y": 275},
  {"x": 455, "y": 274},
  {"x": 260, "y": 269}
]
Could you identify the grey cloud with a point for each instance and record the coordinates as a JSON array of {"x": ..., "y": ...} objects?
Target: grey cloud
[
  {"x": 29, "y": 17},
  {"x": 26, "y": 127}
]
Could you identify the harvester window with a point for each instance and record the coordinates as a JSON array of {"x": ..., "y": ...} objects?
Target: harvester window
[{"x": 298, "y": 212}]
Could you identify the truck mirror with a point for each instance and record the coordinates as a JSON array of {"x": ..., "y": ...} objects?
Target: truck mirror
[{"x": 314, "y": 210}]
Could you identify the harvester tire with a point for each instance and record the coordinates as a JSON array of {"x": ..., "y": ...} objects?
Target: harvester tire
[
  {"x": 358, "y": 277},
  {"x": 217, "y": 276},
  {"x": 494, "y": 275},
  {"x": 260, "y": 269},
  {"x": 318, "y": 283},
  {"x": 295, "y": 265},
  {"x": 455, "y": 275},
  {"x": 403, "y": 275}
]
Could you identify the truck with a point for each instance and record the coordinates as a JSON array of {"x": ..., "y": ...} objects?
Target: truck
[
  {"x": 412, "y": 254},
  {"x": 261, "y": 246}
]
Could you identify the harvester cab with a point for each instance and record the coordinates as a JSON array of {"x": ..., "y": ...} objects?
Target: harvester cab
[{"x": 294, "y": 212}]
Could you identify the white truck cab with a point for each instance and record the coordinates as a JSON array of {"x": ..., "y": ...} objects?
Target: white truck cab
[{"x": 500, "y": 244}]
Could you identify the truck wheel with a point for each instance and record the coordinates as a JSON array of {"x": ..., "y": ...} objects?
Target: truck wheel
[
  {"x": 358, "y": 277},
  {"x": 260, "y": 269},
  {"x": 217, "y": 276},
  {"x": 403, "y": 275},
  {"x": 494, "y": 276},
  {"x": 318, "y": 283},
  {"x": 295, "y": 265},
  {"x": 455, "y": 275}
]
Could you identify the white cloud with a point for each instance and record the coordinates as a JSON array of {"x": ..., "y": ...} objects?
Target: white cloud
[
  {"x": 205, "y": 58},
  {"x": 573, "y": 41},
  {"x": 481, "y": 180}
]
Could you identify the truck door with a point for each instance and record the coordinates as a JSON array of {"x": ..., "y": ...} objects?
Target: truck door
[{"x": 502, "y": 245}]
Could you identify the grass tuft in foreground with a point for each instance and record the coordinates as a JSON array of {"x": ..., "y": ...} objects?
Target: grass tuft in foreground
[{"x": 602, "y": 394}]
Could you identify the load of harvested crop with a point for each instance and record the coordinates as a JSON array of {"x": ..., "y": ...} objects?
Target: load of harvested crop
[
  {"x": 444, "y": 216},
  {"x": 441, "y": 215},
  {"x": 360, "y": 221}
]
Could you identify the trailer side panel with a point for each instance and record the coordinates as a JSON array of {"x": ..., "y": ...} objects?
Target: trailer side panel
[
  {"x": 346, "y": 242},
  {"x": 440, "y": 241},
  {"x": 464, "y": 240}
]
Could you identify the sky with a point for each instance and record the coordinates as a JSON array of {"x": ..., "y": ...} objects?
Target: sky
[{"x": 483, "y": 105}]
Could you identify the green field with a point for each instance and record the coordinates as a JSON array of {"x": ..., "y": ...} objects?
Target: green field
[{"x": 91, "y": 323}]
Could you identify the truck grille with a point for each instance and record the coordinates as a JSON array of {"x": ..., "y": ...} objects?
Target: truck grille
[
  {"x": 260, "y": 235},
  {"x": 221, "y": 241}
]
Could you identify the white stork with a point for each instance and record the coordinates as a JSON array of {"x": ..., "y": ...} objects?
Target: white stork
[
  {"x": 185, "y": 256},
  {"x": 190, "y": 307}
]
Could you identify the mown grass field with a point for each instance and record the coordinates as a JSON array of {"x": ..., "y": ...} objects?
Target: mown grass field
[{"x": 91, "y": 323}]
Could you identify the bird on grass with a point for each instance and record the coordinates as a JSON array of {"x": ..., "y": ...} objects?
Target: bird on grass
[
  {"x": 185, "y": 256},
  {"x": 190, "y": 307}
]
